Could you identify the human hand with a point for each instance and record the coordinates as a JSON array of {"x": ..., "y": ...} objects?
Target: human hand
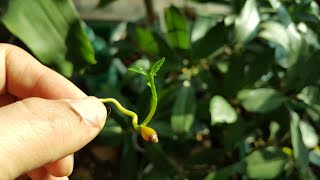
[{"x": 38, "y": 136}]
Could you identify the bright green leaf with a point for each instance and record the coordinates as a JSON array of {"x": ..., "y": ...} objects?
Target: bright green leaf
[
  {"x": 177, "y": 28},
  {"x": 260, "y": 100},
  {"x": 183, "y": 111},
  {"x": 155, "y": 68},
  {"x": 309, "y": 134},
  {"x": 311, "y": 96},
  {"x": 138, "y": 70},
  {"x": 201, "y": 26},
  {"x": 300, "y": 151},
  {"x": 52, "y": 30},
  {"x": 270, "y": 28},
  {"x": 221, "y": 111},
  {"x": 247, "y": 22},
  {"x": 274, "y": 128},
  {"x": 266, "y": 163},
  {"x": 146, "y": 40}
]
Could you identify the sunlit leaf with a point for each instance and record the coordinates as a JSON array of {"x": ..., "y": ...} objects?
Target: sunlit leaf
[
  {"x": 221, "y": 111},
  {"x": 270, "y": 28},
  {"x": 261, "y": 100},
  {"x": 183, "y": 111},
  {"x": 309, "y": 134},
  {"x": 300, "y": 151},
  {"x": 311, "y": 96},
  {"x": 52, "y": 30},
  {"x": 201, "y": 26},
  {"x": 267, "y": 163},
  {"x": 247, "y": 22},
  {"x": 292, "y": 38},
  {"x": 146, "y": 40},
  {"x": 177, "y": 28}
]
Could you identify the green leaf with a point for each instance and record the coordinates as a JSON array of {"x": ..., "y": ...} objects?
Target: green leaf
[
  {"x": 314, "y": 157},
  {"x": 235, "y": 70},
  {"x": 201, "y": 26},
  {"x": 304, "y": 72},
  {"x": 309, "y": 135},
  {"x": 183, "y": 111},
  {"x": 156, "y": 67},
  {"x": 311, "y": 96},
  {"x": 300, "y": 151},
  {"x": 260, "y": 100},
  {"x": 215, "y": 38},
  {"x": 221, "y": 111},
  {"x": 146, "y": 40},
  {"x": 139, "y": 70},
  {"x": 270, "y": 28},
  {"x": 265, "y": 163},
  {"x": 247, "y": 22},
  {"x": 53, "y": 32},
  {"x": 152, "y": 43},
  {"x": 259, "y": 65},
  {"x": 177, "y": 28}
]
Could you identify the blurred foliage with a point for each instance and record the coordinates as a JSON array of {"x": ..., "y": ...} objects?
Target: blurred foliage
[{"x": 239, "y": 93}]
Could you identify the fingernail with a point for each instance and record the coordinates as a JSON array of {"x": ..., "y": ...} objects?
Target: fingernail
[{"x": 90, "y": 109}]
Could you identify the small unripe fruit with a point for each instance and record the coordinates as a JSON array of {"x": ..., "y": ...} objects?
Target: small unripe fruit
[{"x": 149, "y": 134}]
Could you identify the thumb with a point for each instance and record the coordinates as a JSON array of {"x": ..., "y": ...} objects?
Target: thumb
[{"x": 35, "y": 131}]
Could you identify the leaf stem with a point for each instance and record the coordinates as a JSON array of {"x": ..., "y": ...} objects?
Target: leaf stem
[
  {"x": 123, "y": 110},
  {"x": 154, "y": 100}
]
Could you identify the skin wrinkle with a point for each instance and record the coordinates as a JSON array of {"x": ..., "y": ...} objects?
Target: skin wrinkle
[{"x": 37, "y": 82}]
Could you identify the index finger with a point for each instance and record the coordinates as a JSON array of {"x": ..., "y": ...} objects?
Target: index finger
[{"x": 25, "y": 77}]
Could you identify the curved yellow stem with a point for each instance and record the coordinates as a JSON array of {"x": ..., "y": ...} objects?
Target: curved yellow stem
[{"x": 124, "y": 110}]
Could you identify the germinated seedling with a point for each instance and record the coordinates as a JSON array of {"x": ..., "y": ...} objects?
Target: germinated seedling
[{"x": 146, "y": 132}]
